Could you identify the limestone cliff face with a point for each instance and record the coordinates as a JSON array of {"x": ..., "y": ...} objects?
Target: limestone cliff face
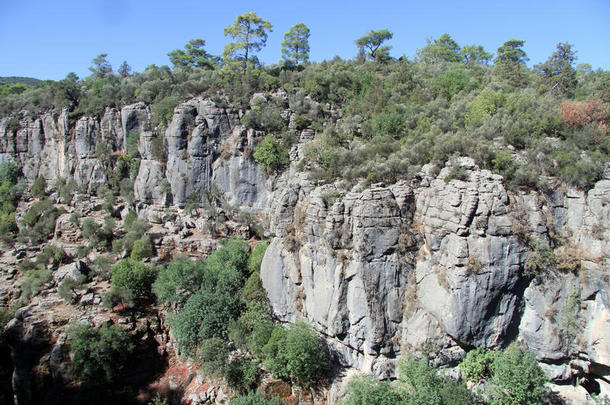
[
  {"x": 204, "y": 146},
  {"x": 378, "y": 270},
  {"x": 384, "y": 270}
]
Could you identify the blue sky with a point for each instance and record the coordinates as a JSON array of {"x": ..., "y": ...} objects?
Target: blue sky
[{"x": 47, "y": 39}]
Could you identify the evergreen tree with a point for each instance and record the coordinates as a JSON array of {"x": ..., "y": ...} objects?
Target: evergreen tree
[
  {"x": 249, "y": 33},
  {"x": 509, "y": 60},
  {"x": 295, "y": 47},
  {"x": 558, "y": 71},
  {"x": 193, "y": 54},
  {"x": 373, "y": 41},
  {"x": 442, "y": 49}
]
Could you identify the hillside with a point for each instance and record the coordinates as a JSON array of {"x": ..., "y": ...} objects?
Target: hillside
[{"x": 232, "y": 226}]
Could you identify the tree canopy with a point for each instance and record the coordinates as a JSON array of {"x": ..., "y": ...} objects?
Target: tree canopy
[
  {"x": 373, "y": 41},
  {"x": 193, "y": 54},
  {"x": 249, "y": 33},
  {"x": 295, "y": 48},
  {"x": 442, "y": 49}
]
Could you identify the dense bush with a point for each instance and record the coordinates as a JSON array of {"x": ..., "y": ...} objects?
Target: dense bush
[
  {"x": 517, "y": 378},
  {"x": 99, "y": 356},
  {"x": 422, "y": 385},
  {"x": 297, "y": 353},
  {"x": 478, "y": 364},
  {"x": 39, "y": 220},
  {"x": 271, "y": 155},
  {"x": 134, "y": 276},
  {"x": 255, "y": 399},
  {"x": 208, "y": 312},
  {"x": 369, "y": 390},
  {"x": 34, "y": 281},
  {"x": 176, "y": 282}
]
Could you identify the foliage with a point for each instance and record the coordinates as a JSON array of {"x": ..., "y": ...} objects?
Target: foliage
[
  {"x": 295, "y": 47},
  {"x": 39, "y": 187},
  {"x": 249, "y": 33},
  {"x": 297, "y": 353},
  {"x": 256, "y": 257},
  {"x": 34, "y": 281},
  {"x": 263, "y": 118},
  {"x": 176, "y": 282},
  {"x": 213, "y": 355},
  {"x": 509, "y": 60},
  {"x": 69, "y": 286},
  {"x": 39, "y": 220},
  {"x": 142, "y": 248},
  {"x": 242, "y": 375},
  {"x": 442, "y": 49},
  {"x": 255, "y": 399},
  {"x": 373, "y": 43},
  {"x": 422, "y": 385},
  {"x": 367, "y": 389},
  {"x": 517, "y": 378},
  {"x": 478, "y": 364},
  {"x": 99, "y": 356},
  {"x": 207, "y": 313},
  {"x": 136, "y": 229},
  {"x": 540, "y": 259},
  {"x": 118, "y": 295},
  {"x": 134, "y": 276},
  {"x": 51, "y": 255},
  {"x": 271, "y": 155},
  {"x": 193, "y": 54},
  {"x": 558, "y": 71}
]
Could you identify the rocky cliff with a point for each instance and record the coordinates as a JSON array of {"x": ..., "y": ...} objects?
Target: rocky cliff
[{"x": 380, "y": 270}]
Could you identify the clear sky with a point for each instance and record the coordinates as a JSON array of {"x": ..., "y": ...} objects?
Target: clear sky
[{"x": 47, "y": 39}]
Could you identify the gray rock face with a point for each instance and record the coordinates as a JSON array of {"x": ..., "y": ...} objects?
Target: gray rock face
[
  {"x": 203, "y": 145},
  {"x": 389, "y": 268}
]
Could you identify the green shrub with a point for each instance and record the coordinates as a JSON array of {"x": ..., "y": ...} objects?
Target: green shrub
[
  {"x": 103, "y": 266},
  {"x": 136, "y": 229},
  {"x": 108, "y": 196},
  {"x": 253, "y": 398},
  {"x": 271, "y": 155},
  {"x": 256, "y": 257},
  {"x": 142, "y": 248},
  {"x": 69, "y": 287},
  {"x": 118, "y": 295},
  {"x": 208, "y": 312},
  {"x": 52, "y": 255},
  {"x": 34, "y": 281},
  {"x": 242, "y": 375},
  {"x": 213, "y": 355},
  {"x": 180, "y": 279},
  {"x": 297, "y": 353},
  {"x": 9, "y": 172},
  {"x": 134, "y": 276},
  {"x": 39, "y": 220},
  {"x": 422, "y": 385},
  {"x": 367, "y": 389},
  {"x": 39, "y": 187},
  {"x": 540, "y": 259},
  {"x": 478, "y": 364},
  {"x": 99, "y": 356},
  {"x": 518, "y": 379},
  {"x": 263, "y": 118}
]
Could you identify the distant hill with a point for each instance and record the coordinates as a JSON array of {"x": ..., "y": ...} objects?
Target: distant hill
[{"x": 30, "y": 81}]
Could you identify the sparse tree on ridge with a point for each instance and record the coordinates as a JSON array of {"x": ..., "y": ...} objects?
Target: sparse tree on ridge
[
  {"x": 249, "y": 33},
  {"x": 295, "y": 47},
  {"x": 124, "y": 69},
  {"x": 558, "y": 71},
  {"x": 475, "y": 54},
  {"x": 442, "y": 49},
  {"x": 101, "y": 67},
  {"x": 193, "y": 54},
  {"x": 373, "y": 43},
  {"x": 509, "y": 60}
]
